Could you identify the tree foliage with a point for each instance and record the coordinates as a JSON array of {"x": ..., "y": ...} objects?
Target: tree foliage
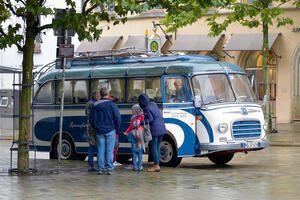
[
  {"x": 186, "y": 12},
  {"x": 20, "y": 24},
  {"x": 262, "y": 13},
  {"x": 85, "y": 23}
]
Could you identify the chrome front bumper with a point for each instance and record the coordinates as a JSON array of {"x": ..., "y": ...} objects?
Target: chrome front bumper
[{"x": 249, "y": 145}]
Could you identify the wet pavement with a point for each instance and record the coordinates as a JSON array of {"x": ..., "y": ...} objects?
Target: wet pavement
[{"x": 272, "y": 173}]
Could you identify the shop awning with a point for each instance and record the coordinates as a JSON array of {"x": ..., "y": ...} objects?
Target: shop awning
[
  {"x": 248, "y": 42},
  {"x": 138, "y": 42},
  {"x": 194, "y": 43},
  {"x": 8, "y": 70},
  {"x": 103, "y": 44}
]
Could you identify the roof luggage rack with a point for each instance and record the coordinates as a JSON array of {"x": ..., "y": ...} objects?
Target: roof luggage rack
[
  {"x": 124, "y": 52},
  {"x": 124, "y": 56}
]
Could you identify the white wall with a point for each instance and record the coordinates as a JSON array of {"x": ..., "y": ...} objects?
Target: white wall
[{"x": 11, "y": 58}]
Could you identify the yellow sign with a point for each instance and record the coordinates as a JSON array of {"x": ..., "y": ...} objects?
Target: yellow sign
[{"x": 154, "y": 46}]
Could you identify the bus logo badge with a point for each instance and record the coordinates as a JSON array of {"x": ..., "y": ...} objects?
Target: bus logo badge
[{"x": 244, "y": 111}]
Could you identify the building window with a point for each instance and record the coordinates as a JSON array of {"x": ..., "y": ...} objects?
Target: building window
[
  {"x": 4, "y": 102},
  {"x": 37, "y": 47},
  {"x": 255, "y": 73},
  {"x": 108, "y": 7}
]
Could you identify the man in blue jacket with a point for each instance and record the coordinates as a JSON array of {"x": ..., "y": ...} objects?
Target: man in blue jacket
[{"x": 106, "y": 120}]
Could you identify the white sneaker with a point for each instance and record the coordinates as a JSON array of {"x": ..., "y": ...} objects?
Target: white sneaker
[{"x": 117, "y": 164}]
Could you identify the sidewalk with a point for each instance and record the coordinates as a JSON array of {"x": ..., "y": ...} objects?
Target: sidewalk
[{"x": 288, "y": 135}]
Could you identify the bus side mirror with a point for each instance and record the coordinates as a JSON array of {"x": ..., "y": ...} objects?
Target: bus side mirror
[
  {"x": 265, "y": 100},
  {"x": 197, "y": 101}
]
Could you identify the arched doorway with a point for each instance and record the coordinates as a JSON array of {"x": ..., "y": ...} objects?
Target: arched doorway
[
  {"x": 253, "y": 67},
  {"x": 296, "y": 84}
]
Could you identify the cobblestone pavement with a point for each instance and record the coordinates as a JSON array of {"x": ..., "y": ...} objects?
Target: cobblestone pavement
[{"x": 272, "y": 173}]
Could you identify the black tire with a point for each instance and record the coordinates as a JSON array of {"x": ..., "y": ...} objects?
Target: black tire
[
  {"x": 68, "y": 148},
  {"x": 123, "y": 158},
  {"x": 81, "y": 156},
  {"x": 220, "y": 159},
  {"x": 168, "y": 153}
]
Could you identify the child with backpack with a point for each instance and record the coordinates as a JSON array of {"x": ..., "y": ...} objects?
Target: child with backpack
[{"x": 135, "y": 136}]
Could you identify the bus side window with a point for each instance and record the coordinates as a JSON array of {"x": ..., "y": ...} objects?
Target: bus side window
[
  {"x": 80, "y": 91},
  {"x": 67, "y": 93},
  {"x": 150, "y": 85},
  {"x": 46, "y": 93},
  {"x": 135, "y": 88},
  {"x": 116, "y": 88},
  {"x": 176, "y": 90}
]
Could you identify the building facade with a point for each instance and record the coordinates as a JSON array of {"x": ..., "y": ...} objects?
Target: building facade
[{"x": 239, "y": 45}]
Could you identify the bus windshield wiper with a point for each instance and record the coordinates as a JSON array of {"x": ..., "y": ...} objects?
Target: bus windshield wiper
[{"x": 216, "y": 101}]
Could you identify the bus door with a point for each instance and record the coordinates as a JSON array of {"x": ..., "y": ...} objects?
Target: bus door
[{"x": 179, "y": 113}]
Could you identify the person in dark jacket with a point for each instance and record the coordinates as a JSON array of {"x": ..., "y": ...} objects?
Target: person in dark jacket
[
  {"x": 106, "y": 120},
  {"x": 157, "y": 128},
  {"x": 92, "y": 138}
]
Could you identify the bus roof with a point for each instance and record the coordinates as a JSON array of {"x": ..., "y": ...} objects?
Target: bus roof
[{"x": 141, "y": 66}]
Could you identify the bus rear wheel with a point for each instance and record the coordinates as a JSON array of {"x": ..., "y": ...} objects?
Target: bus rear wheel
[
  {"x": 220, "y": 159},
  {"x": 168, "y": 153},
  {"x": 67, "y": 149}
]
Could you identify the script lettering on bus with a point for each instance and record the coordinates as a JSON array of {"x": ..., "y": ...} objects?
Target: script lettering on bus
[{"x": 73, "y": 125}]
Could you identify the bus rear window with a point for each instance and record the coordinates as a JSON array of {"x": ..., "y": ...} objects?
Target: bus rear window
[{"x": 46, "y": 93}]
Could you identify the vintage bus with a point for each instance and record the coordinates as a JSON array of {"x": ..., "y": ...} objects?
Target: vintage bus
[{"x": 216, "y": 116}]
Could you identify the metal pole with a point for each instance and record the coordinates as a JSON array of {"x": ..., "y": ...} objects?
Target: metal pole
[
  {"x": 146, "y": 41},
  {"x": 62, "y": 102}
]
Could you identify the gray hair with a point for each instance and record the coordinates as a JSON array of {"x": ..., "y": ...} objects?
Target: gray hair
[
  {"x": 137, "y": 109},
  {"x": 103, "y": 92}
]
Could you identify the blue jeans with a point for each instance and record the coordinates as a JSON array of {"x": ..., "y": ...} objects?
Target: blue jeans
[
  {"x": 155, "y": 147},
  {"x": 106, "y": 143},
  {"x": 91, "y": 150},
  {"x": 135, "y": 155}
]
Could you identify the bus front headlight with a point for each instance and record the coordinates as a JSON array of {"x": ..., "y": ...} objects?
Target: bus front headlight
[{"x": 222, "y": 127}]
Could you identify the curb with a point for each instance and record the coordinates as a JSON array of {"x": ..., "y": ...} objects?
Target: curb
[{"x": 284, "y": 144}]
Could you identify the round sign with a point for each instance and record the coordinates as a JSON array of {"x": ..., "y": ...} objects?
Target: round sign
[{"x": 154, "y": 46}]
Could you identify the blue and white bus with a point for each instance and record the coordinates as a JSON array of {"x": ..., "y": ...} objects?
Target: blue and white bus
[{"x": 217, "y": 116}]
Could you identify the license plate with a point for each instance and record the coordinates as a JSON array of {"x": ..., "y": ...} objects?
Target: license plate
[{"x": 250, "y": 145}]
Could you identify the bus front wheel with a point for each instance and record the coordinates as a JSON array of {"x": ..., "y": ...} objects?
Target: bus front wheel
[
  {"x": 67, "y": 148},
  {"x": 220, "y": 159},
  {"x": 168, "y": 153}
]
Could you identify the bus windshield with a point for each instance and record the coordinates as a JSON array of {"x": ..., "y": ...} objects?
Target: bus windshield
[
  {"x": 242, "y": 88},
  {"x": 213, "y": 88}
]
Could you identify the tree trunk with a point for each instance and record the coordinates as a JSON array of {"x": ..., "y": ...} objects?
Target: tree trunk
[
  {"x": 27, "y": 66},
  {"x": 266, "y": 74}
]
